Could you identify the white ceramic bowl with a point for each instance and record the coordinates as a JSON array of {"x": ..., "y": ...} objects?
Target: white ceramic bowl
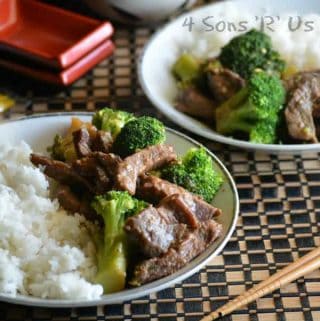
[
  {"x": 137, "y": 11},
  {"x": 165, "y": 46},
  {"x": 39, "y": 131}
]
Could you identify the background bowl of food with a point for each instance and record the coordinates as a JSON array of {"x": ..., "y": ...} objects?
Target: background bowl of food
[
  {"x": 226, "y": 56},
  {"x": 139, "y": 11}
]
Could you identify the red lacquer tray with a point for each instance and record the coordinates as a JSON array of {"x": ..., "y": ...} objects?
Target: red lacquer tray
[
  {"x": 47, "y": 34},
  {"x": 64, "y": 77}
]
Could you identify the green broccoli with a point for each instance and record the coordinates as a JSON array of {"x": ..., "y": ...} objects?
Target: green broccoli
[
  {"x": 265, "y": 132},
  {"x": 63, "y": 148},
  {"x": 187, "y": 68},
  {"x": 250, "y": 52},
  {"x": 56, "y": 150},
  {"x": 195, "y": 173},
  {"x": 111, "y": 120},
  {"x": 112, "y": 254},
  {"x": 191, "y": 71},
  {"x": 138, "y": 134},
  {"x": 254, "y": 110}
]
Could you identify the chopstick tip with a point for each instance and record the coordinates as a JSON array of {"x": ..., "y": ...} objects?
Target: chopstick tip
[{"x": 212, "y": 316}]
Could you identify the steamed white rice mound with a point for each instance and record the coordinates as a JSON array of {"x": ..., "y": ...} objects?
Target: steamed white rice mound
[
  {"x": 300, "y": 48},
  {"x": 44, "y": 252}
]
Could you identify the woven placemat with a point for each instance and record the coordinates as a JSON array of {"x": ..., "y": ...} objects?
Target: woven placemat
[{"x": 279, "y": 219}]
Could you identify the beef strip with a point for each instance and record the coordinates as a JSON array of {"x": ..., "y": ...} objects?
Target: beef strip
[
  {"x": 62, "y": 172},
  {"x": 224, "y": 83},
  {"x": 85, "y": 166},
  {"x": 154, "y": 229},
  {"x": 102, "y": 142},
  {"x": 85, "y": 144},
  {"x": 192, "y": 102},
  {"x": 109, "y": 162},
  {"x": 191, "y": 244},
  {"x": 203, "y": 210},
  {"x": 90, "y": 168},
  {"x": 303, "y": 103},
  {"x": 73, "y": 204},
  {"x": 182, "y": 213},
  {"x": 82, "y": 142},
  {"x": 292, "y": 82},
  {"x": 155, "y": 189},
  {"x": 102, "y": 181},
  {"x": 141, "y": 162},
  {"x": 316, "y": 108},
  {"x": 317, "y": 124}
]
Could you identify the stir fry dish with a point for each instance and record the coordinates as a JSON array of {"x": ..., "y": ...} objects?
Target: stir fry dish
[
  {"x": 152, "y": 207},
  {"x": 249, "y": 93}
]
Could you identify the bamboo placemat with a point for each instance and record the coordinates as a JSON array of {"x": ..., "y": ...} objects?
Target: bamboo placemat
[{"x": 279, "y": 219}]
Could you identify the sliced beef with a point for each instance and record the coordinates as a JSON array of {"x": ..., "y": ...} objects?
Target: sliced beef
[
  {"x": 182, "y": 213},
  {"x": 90, "y": 168},
  {"x": 201, "y": 208},
  {"x": 316, "y": 109},
  {"x": 82, "y": 142},
  {"x": 155, "y": 230},
  {"x": 85, "y": 166},
  {"x": 224, "y": 83},
  {"x": 303, "y": 105},
  {"x": 150, "y": 158},
  {"x": 192, "y": 102},
  {"x": 102, "y": 142},
  {"x": 155, "y": 189},
  {"x": 295, "y": 80},
  {"x": 73, "y": 204},
  {"x": 102, "y": 181},
  {"x": 191, "y": 245},
  {"x": 109, "y": 162},
  {"x": 85, "y": 143},
  {"x": 62, "y": 172},
  {"x": 93, "y": 173},
  {"x": 317, "y": 124}
]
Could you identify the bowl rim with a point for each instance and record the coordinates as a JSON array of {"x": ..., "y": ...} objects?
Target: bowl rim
[
  {"x": 166, "y": 107},
  {"x": 192, "y": 267}
]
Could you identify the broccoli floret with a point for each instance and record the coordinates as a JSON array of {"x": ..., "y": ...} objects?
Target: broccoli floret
[
  {"x": 187, "y": 68},
  {"x": 111, "y": 120},
  {"x": 265, "y": 132},
  {"x": 112, "y": 255},
  {"x": 195, "y": 173},
  {"x": 139, "y": 206},
  {"x": 56, "y": 149},
  {"x": 250, "y": 52},
  {"x": 138, "y": 134},
  {"x": 63, "y": 148},
  {"x": 254, "y": 109}
]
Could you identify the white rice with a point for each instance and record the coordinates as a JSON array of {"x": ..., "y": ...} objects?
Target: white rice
[
  {"x": 300, "y": 48},
  {"x": 44, "y": 252}
]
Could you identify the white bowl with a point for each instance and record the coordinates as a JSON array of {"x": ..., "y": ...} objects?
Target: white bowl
[
  {"x": 39, "y": 131},
  {"x": 165, "y": 46},
  {"x": 137, "y": 11}
]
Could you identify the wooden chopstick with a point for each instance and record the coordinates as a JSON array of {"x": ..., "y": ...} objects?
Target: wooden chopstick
[{"x": 306, "y": 264}]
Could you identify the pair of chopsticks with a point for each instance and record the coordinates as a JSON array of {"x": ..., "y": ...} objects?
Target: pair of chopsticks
[{"x": 303, "y": 266}]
